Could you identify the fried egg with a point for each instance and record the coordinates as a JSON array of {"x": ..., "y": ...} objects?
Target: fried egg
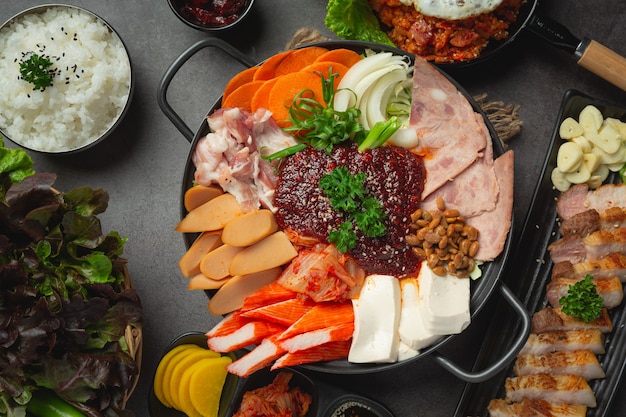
[{"x": 453, "y": 9}]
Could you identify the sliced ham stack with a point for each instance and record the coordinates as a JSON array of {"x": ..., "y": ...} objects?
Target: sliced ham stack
[{"x": 458, "y": 155}]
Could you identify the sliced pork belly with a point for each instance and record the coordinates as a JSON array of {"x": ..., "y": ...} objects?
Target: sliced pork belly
[
  {"x": 610, "y": 289},
  {"x": 611, "y": 265},
  {"x": 579, "y": 198},
  {"x": 567, "y": 389},
  {"x": 594, "y": 246},
  {"x": 564, "y": 340},
  {"x": 550, "y": 318},
  {"x": 535, "y": 408},
  {"x": 575, "y": 362},
  {"x": 494, "y": 225},
  {"x": 451, "y": 135},
  {"x": 588, "y": 221}
]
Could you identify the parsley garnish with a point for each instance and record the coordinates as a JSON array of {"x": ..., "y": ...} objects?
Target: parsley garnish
[
  {"x": 36, "y": 70},
  {"x": 347, "y": 194},
  {"x": 582, "y": 300}
]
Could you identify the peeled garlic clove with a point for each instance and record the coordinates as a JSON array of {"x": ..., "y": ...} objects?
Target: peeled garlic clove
[
  {"x": 570, "y": 129},
  {"x": 591, "y": 160},
  {"x": 579, "y": 175},
  {"x": 559, "y": 180},
  {"x": 590, "y": 119},
  {"x": 583, "y": 142},
  {"x": 569, "y": 157}
]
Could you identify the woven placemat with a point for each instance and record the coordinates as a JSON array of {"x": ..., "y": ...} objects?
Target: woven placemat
[{"x": 503, "y": 116}]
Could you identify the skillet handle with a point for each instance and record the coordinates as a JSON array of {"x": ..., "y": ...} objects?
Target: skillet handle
[
  {"x": 166, "y": 108},
  {"x": 500, "y": 364},
  {"x": 603, "y": 62}
]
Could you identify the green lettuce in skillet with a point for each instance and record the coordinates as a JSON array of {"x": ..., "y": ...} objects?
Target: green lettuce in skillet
[{"x": 64, "y": 307}]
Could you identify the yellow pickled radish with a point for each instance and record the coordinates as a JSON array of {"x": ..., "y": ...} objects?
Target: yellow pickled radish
[
  {"x": 206, "y": 383},
  {"x": 159, "y": 376},
  {"x": 183, "y": 362}
]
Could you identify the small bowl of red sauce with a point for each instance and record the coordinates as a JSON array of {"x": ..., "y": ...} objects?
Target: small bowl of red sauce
[{"x": 211, "y": 15}]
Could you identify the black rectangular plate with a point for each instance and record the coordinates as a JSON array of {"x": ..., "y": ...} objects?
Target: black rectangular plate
[{"x": 530, "y": 271}]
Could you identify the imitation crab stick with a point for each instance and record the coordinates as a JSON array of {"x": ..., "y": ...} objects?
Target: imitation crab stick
[
  {"x": 321, "y": 316},
  {"x": 258, "y": 358},
  {"x": 268, "y": 294},
  {"x": 228, "y": 324},
  {"x": 285, "y": 312},
  {"x": 326, "y": 352},
  {"x": 250, "y": 333},
  {"x": 308, "y": 340}
]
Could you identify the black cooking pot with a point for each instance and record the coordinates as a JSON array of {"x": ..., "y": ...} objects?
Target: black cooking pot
[
  {"x": 589, "y": 54},
  {"x": 481, "y": 289}
]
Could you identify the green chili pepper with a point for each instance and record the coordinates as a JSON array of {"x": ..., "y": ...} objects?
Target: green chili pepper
[{"x": 46, "y": 403}]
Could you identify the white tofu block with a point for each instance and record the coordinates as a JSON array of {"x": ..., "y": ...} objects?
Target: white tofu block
[
  {"x": 444, "y": 302},
  {"x": 405, "y": 352},
  {"x": 412, "y": 331},
  {"x": 376, "y": 320}
]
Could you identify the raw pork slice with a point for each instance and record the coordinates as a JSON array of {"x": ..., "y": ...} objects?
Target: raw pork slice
[{"x": 451, "y": 135}]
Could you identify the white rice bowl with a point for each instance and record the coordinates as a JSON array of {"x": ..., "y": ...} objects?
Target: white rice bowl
[{"x": 91, "y": 86}]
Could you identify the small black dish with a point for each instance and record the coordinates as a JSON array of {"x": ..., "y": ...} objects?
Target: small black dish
[
  {"x": 158, "y": 409},
  {"x": 265, "y": 377},
  {"x": 355, "y": 405},
  {"x": 234, "y": 14}
]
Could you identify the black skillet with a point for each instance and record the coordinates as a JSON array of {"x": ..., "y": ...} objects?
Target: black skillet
[
  {"x": 588, "y": 53},
  {"x": 481, "y": 289}
]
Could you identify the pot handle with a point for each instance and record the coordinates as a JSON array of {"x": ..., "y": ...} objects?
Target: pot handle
[
  {"x": 500, "y": 364},
  {"x": 164, "y": 84}
]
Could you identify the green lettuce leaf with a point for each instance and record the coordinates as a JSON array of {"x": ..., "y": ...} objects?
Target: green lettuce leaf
[{"x": 354, "y": 19}]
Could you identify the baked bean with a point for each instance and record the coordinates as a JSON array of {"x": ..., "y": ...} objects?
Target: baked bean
[{"x": 443, "y": 239}]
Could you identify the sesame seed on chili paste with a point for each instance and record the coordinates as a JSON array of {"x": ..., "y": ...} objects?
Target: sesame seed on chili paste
[{"x": 395, "y": 177}]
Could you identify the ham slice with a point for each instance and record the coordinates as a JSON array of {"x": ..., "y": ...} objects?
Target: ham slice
[
  {"x": 451, "y": 135},
  {"x": 494, "y": 225}
]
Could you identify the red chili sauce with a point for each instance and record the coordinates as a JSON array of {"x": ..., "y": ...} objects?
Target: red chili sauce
[
  {"x": 214, "y": 12},
  {"x": 395, "y": 177}
]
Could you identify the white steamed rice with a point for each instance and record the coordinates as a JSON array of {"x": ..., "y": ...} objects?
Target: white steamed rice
[{"x": 89, "y": 91}]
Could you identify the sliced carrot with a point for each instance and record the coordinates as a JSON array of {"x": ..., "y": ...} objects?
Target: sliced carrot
[
  {"x": 323, "y": 68},
  {"x": 261, "y": 98},
  {"x": 242, "y": 96},
  {"x": 267, "y": 69},
  {"x": 287, "y": 88},
  {"x": 343, "y": 56},
  {"x": 239, "y": 79},
  {"x": 299, "y": 59}
]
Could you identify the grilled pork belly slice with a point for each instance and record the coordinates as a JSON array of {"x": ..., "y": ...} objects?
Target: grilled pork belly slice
[
  {"x": 550, "y": 318},
  {"x": 576, "y": 362},
  {"x": 613, "y": 264},
  {"x": 594, "y": 246},
  {"x": 579, "y": 198},
  {"x": 536, "y": 408},
  {"x": 610, "y": 289},
  {"x": 567, "y": 389},
  {"x": 564, "y": 340},
  {"x": 588, "y": 221}
]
